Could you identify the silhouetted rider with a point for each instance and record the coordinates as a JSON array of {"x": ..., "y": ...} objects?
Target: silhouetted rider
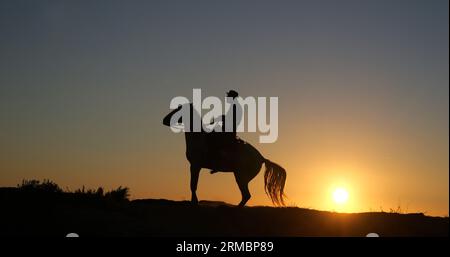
[
  {"x": 225, "y": 142},
  {"x": 235, "y": 111}
]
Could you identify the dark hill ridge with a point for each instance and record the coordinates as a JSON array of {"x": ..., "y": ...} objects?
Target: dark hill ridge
[{"x": 29, "y": 213}]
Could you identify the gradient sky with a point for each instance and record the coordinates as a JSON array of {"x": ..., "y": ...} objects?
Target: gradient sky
[{"x": 363, "y": 91}]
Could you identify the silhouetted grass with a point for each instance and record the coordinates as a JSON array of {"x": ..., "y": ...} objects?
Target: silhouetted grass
[
  {"x": 49, "y": 188},
  {"x": 34, "y": 185}
]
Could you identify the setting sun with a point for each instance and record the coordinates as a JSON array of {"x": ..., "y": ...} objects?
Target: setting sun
[{"x": 340, "y": 195}]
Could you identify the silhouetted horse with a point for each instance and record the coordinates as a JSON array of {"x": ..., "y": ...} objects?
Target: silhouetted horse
[{"x": 244, "y": 161}]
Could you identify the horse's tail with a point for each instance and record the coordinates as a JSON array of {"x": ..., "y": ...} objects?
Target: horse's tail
[{"x": 274, "y": 180}]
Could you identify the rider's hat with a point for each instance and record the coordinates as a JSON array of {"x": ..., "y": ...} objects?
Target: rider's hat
[{"x": 232, "y": 94}]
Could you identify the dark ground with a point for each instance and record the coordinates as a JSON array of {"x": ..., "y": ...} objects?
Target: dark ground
[{"x": 31, "y": 213}]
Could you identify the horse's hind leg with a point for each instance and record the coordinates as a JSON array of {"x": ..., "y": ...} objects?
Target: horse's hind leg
[
  {"x": 195, "y": 171},
  {"x": 243, "y": 187}
]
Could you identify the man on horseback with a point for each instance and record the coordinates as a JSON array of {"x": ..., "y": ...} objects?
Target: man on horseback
[{"x": 222, "y": 150}]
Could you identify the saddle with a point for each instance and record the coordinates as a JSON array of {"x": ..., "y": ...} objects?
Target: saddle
[{"x": 225, "y": 154}]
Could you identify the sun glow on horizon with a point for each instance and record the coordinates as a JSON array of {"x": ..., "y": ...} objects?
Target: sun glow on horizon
[{"x": 340, "y": 196}]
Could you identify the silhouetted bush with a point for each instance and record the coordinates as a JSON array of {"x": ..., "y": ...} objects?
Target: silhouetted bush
[
  {"x": 120, "y": 194},
  {"x": 50, "y": 187},
  {"x": 99, "y": 192},
  {"x": 47, "y": 186}
]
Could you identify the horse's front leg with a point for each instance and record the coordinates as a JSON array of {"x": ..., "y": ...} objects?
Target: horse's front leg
[{"x": 195, "y": 172}]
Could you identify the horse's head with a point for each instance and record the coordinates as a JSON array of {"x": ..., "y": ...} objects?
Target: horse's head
[
  {"x": 167, "y": 119},
  {"x": 187, "y": 112}
]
